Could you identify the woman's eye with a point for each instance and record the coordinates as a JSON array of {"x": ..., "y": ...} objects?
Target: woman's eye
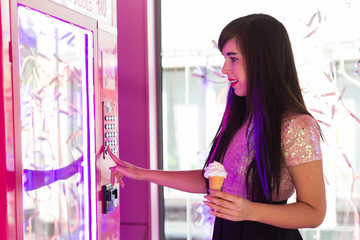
[{"x": 234, "y": 59}]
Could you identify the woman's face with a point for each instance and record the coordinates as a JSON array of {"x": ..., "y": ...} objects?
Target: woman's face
[{"x": 234, "y": 67}]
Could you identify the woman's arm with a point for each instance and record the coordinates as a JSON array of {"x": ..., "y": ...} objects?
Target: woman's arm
[
  {"x": 307, "y": 212},
  {"x": 189, "y": 181},
  {"x": 310, "y": 207}
]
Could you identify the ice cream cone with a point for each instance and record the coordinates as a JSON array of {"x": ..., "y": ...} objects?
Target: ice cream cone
[{"x": 216, "y": 182}]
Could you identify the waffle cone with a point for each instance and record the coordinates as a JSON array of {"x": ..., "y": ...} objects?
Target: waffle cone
[{"x": 216, "y": 182}]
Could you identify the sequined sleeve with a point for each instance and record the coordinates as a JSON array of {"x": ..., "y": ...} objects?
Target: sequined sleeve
[{"x": 301, "y": 140}]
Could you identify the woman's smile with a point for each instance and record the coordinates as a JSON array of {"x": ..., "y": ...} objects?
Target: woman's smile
[{"x": 233, "y": 82}]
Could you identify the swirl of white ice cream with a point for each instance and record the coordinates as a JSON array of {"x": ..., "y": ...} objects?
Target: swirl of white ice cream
[{"x": 215, "y": 169}]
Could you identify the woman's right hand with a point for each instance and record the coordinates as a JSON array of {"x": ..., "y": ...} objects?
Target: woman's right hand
[{"x": 123, "y": 168}]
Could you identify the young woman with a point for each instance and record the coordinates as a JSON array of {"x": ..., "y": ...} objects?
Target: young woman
[{"x": 267, "y": 141}]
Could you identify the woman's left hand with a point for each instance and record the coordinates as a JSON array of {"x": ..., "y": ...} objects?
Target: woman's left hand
[{"x": 229, "y": 206}]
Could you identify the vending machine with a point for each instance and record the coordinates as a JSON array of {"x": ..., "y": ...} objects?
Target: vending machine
[{"x": 59, "y": 117}]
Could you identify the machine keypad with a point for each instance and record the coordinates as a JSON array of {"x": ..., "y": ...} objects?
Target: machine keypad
[{"x": 110, "y": 127}]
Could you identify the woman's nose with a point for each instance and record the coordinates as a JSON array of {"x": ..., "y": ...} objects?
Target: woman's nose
[{"x": 225, "y": 69}]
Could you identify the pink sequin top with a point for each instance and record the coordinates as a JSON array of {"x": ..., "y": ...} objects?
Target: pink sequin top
[{"x": 300, "y": 144}]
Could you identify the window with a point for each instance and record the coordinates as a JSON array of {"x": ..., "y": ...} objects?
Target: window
[{"x": 327, "y": 53}]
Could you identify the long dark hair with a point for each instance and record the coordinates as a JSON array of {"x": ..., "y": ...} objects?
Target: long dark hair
[{"x": 272, "y": 89}]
